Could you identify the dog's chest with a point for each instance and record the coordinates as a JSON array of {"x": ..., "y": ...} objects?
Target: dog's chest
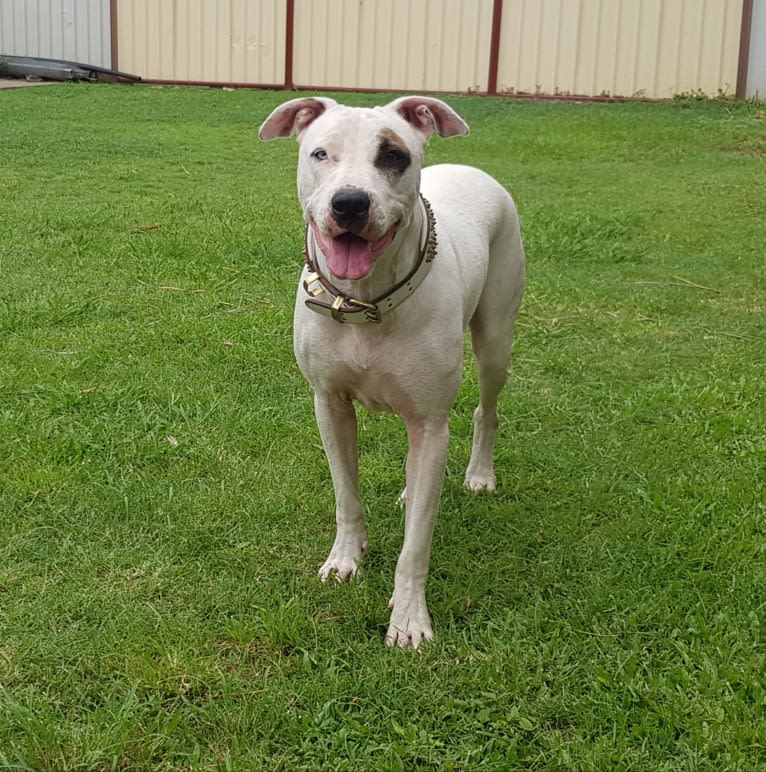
[
  {"x": 376, "y": 390},
  {"x": 372, "y": 372}
]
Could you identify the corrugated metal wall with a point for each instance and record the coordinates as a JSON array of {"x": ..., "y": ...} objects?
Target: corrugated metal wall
[
  {"x": 756, "y": 80},
  {"x": 218, "y": 41},
  {"x": 653, "y": 48},
  {"x": 77, "y": 30},
  {"x": 430, "y": 45}
]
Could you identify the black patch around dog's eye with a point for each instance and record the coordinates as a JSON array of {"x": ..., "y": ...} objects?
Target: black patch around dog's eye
[{"x": 392, "y": 157}]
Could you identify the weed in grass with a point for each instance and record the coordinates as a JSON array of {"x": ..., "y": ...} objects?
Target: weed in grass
[{"x": 164, "y": 502}]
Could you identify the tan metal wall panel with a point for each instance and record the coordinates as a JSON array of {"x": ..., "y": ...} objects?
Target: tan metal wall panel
[
  {"x": 654, "y": 48},
  {"x": 222, "y": 41},
  {"x": 429, "y": 45}
]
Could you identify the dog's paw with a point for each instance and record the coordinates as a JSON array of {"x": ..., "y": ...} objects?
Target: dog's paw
[
  {"x": 343, "y": 570},
  {"x": 410, "y": 623},
  {"x": 478, "y": 481},
  {"x": 342, "y": 563}
]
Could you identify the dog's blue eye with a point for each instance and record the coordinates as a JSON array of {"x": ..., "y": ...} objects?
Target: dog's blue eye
[{"x": 319, "y": 154}]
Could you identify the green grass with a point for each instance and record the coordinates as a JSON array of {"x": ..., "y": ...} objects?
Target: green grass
[{"x": 164, "y": 501}]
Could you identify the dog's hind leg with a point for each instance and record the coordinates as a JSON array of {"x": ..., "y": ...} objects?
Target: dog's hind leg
[{"x": 491, "y": 336}]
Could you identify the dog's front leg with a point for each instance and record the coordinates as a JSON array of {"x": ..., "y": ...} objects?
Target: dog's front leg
[
  {"x": 410, "y": 622},
  {"x": 336, "y": 419}
]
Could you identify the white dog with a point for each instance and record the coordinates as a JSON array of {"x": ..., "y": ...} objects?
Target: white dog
[{"x": 398, "y": 263}]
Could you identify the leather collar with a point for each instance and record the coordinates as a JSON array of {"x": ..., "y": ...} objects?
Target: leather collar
[{"x": 328, "y": 300}]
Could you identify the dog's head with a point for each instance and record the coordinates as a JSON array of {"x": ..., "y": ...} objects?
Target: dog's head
[{"x": 359, "y": 170}]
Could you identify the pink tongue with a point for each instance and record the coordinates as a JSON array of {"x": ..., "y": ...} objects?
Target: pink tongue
[{"x": 348, "y": 256}]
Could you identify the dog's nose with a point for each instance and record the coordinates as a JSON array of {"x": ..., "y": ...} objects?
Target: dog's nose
[{"x": 350, "y": 205}]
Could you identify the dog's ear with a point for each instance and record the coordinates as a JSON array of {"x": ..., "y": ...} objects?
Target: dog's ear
[
  {"x": 427, "y": 115},
  {"x": 294, "y": 116}
]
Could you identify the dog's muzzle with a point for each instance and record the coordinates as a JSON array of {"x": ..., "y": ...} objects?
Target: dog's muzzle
[{"x": 327, "y": 300}]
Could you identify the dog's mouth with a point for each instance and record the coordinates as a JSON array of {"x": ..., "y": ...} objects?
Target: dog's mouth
[{"x": 350, "y": 256}]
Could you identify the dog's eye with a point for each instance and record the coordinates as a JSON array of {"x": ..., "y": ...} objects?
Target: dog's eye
[
  {"x": 320, "y": 154},
  {"x": 392, "y": 158}
]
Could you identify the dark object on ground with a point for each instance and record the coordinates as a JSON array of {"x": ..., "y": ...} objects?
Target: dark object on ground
[{"x": 32, "y": 67}]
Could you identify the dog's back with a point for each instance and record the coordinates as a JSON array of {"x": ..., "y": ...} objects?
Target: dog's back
[{"x": 478, "y": 218}]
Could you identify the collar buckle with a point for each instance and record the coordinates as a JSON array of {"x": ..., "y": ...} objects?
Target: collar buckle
[{"x": 314, "y": 278}]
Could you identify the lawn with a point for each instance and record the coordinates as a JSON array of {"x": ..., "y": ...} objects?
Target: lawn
[{"x": 165, "y": 504}]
